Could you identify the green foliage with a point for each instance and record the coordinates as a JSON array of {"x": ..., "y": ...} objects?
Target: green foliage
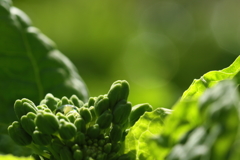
[
  {"x": 208, "y": 112},
  {"x": 204, "y": 123}
]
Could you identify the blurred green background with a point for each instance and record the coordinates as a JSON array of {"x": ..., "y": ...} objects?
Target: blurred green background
[{"x": 158, "y": 46}]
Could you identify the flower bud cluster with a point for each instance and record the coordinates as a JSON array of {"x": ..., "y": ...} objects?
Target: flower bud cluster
[{"x": 69, "y": 129}]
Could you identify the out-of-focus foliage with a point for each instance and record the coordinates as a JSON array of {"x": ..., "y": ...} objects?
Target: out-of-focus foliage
[{"x": 157, "y": 46}]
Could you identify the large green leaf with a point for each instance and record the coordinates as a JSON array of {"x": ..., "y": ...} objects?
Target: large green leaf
[
  {"x": 186, "y": 115},
  {"x": 30, "y": 64}
]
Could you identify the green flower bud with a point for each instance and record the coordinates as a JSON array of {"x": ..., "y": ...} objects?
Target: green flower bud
[
  {"x": 115, "y": 134},
  {"x": 118, "y": 91},
  {"x": 114, "y": 94},
  {"x": 78, "y": 155},
  {"x": 93, "y": 113},
  {"x": 47, "y": 122},
  {"x": 50, "y": 101},
  {"x": 93, "y": 131},
  {"x": 60, "y": 116},
  {"x": 22, "y": 107},
  {"x": 40, "y": 138},
  {"x": 75, "y": 147},
  {"x": 42, "y": 107},
  {"x": 72, "y": 115},
  {"x": 101, "y": 104},
  {"x": 67, "y": 130},
  {"x": 80, "y": 124},
  {"x": 104, "y": 121},
  {"x": 66, "y": 154},
  {"x": 28, "y": 123},
  {"x": 80, "y": 138},
  {"x": 47, "y": 110},
  {"x": 76, "y": 102},
  {"x": 71, "y": 118},
  {"x": 18, "y": 134},
  {"x": 66, "y": 101},
  {"x": 107, "y": 148},
  {"x": 85, "y": 114},
  {"x": 124, "y": 91},
  {"x": 121, "y": 112},
  {"x": 138, "y": 111},
  {"x": 91, "y": 101}
]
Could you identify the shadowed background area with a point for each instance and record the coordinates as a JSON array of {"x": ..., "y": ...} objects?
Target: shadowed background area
[{"x": 159, "y": 47}]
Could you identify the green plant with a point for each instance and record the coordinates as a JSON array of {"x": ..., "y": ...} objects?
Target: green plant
[
  {"x": 203, "y": 124},
  {"x": 92, "y": 130}
]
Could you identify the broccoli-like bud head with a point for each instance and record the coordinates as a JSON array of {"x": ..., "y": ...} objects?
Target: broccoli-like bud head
[{"x": 68, "y": 129}]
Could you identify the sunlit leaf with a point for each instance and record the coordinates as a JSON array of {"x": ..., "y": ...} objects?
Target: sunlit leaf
[
  {"x": 150, "y": 124},
  {"x": 210, "y": 79}
]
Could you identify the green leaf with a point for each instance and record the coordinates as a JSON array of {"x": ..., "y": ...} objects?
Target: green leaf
[
  {"x": 30, "y": 64},
  {"x": 211, "y": 78},
  {"x": 150, "y": 124},
  {"x": 215, "y": 136},
  {"x": 184, "y": 117}
]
